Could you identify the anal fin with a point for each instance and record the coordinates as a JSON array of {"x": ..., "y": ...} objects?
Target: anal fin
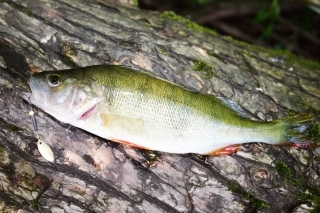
[
  {"x": 129, "y": 144},
  {"x": 225, "y": 150}
]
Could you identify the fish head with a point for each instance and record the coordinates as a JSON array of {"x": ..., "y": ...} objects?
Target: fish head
[{"x": 65, "y": 95}]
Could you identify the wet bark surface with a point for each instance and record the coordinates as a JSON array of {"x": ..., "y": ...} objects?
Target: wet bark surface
[{"x": 91, "y": 174}]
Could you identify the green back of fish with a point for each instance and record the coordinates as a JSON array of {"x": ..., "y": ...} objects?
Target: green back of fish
[{"x": 127, "y": 79}]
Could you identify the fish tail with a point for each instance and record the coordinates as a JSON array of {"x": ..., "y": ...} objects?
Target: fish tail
[{"x": 298, "y": 131}]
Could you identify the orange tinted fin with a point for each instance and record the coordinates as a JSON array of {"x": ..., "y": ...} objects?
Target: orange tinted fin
[
  {"x": 226, "y": 150},
  {"x": 129, "y": 144},
  {"x": 302, "y": 145}
]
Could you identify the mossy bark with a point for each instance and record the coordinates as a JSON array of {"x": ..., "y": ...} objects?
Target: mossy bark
[{"x": 91, "y": 174}]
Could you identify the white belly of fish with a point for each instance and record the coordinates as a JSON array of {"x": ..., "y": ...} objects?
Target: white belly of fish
[{"x": 165, "y": 126}]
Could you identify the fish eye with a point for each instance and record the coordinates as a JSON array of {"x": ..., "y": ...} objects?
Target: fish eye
[{"x": 54, "y": 80}]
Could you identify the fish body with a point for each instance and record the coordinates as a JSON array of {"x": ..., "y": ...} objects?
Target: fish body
[{"x": 130, "y": 106}]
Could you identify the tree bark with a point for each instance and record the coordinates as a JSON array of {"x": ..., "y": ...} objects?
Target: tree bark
[{"x": 91, "y": 174}]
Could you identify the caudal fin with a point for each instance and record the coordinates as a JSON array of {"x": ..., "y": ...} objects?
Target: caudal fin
[{"x": 298, "y": 131}]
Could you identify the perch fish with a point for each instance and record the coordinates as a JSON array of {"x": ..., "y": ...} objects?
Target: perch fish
[{"x": 137, "y": 108}]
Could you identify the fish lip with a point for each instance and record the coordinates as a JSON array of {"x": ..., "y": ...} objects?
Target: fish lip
[{"x": 87, "y": 114}]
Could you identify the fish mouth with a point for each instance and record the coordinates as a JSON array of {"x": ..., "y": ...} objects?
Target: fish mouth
[{"x": 87, "y": 114}]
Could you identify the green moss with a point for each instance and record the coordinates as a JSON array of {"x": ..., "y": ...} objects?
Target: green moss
[
  {"x": 306, "y": 192},
  {"x": 216, "y": 55},
  {"x": 317, "y": 158},
  {"x": 2, "y": 149},
  {"x": 172, "y": 16},
  {"x": 136, "y": 3},
  {"x": 247, "y": 56},
  {"x": 312, "y": 195},
  {"x": 46, "y": 22},
  {"x": 256, "y": 202},
  {"x": 286, "y": 173},
  {"x": 307, "y": 158},
  {"x": 3, "y": 154},
  {"x": 148, "y": 24},
  {"x": 15, "y": 128},
  {"x": 204, "y": 67},
  {"x": 10, "y": 126},
  {"x": 314, "y": 132},
  {"x": 302, "y": 105},
  {"x": 235, "y": 188},
  {"x": 288, "y": 56},
  {"x": 291, "y": 112},
  {"x": 284, "y": 170},
  {"x": 163, "y": 51},
  {"x": 35, "y": 204},
  {"x": 190, "y": 24}
]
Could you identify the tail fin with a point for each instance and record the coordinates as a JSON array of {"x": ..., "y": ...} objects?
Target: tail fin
[{"x": 298, "y": 131}]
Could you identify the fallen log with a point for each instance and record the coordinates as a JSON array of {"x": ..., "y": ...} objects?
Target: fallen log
[{"x": 91, "y": 174}]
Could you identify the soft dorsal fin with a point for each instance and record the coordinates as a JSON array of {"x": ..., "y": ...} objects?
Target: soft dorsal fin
[{"x": 233, "y": 106}]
